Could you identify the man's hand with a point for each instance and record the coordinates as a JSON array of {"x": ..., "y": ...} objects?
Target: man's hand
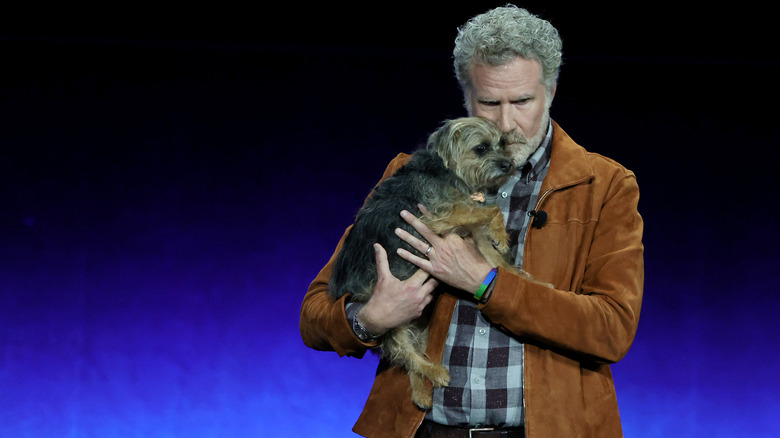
[
  {"x": 451, "y": 258},
  {"x": 395, "y": 302}
]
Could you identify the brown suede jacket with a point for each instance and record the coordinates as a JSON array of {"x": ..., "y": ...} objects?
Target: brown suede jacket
[{"x": 590, "y": 249}]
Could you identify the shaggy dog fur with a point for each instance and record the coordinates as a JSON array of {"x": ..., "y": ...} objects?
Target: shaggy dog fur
[{"x": 464, "y": 160}]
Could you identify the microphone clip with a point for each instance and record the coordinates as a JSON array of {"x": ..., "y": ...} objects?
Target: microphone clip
[{"x": 539, "y": 218}]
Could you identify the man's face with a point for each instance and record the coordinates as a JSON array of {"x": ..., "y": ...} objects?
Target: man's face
[{"x": 514, "y": 97}]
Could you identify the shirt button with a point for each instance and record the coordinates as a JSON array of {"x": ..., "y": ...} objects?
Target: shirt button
[
  {"x": 482, "y": 331},
  {"x": 477, "y": 380},
  {"x": 504, "y": 194}
]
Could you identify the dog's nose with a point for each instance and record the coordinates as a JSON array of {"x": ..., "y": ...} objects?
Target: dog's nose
[{"x": 505, "y": 166}]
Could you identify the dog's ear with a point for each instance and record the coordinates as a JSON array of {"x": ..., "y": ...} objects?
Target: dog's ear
[{"x": 442, "y": 140}]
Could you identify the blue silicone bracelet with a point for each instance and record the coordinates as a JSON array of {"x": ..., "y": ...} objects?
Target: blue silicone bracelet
[{"x": 489, "y": 279}]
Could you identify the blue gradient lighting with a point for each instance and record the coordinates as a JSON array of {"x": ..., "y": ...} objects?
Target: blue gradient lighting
[{"x": 164, "y": 208}]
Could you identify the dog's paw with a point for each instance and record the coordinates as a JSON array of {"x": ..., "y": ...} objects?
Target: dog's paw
[
  {"x": 502, "y": 246},
  {"x": 438, "y": 375},
  {"x": 422, "y": 398}
]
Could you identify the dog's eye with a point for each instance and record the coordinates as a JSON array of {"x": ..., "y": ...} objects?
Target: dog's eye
[{"x": 481, "y": 149}]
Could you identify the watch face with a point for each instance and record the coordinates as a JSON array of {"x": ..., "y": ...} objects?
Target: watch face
[{"x": 361, "y": 331}]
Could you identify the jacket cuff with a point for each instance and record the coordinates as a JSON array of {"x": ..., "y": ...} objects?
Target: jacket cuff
[
  {"x": 345, "y": 341},
  {"x": 496, "y": 295}
]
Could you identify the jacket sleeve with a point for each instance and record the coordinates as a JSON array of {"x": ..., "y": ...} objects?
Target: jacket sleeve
[
  {"x": 323, "y": 320},
  {"x": 597, "y": 318}
]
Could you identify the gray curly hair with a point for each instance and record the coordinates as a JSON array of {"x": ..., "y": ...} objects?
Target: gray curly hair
[{"x": 502, "y": 34}]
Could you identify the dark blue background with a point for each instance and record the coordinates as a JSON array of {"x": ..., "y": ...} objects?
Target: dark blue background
[{"x": 170, "y": 187}]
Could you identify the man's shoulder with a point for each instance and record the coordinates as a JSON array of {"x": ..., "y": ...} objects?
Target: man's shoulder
[
  {"x": 606, "y": 163},
  {"x": 596, "y": 161},
  {"x": 396, "y": 163}
]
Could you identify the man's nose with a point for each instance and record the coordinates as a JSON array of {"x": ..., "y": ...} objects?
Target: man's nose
[{"x": 505, "y": 120}]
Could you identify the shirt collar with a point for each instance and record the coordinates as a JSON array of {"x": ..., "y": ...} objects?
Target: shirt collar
[{"x": 541, "y": 157}]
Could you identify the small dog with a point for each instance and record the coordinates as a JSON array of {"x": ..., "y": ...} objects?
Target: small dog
[{"x": 463, "y": 164}]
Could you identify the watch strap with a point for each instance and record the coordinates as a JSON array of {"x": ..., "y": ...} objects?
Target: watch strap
[{"x": 360, "y": 331}]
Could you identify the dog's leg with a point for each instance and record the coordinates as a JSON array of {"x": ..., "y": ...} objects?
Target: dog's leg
[
  {"x": 422, "y": 396},
  {"x": 484, "y": 224},
  {"x": 421, "y": 370},
  {"x": 461, "y": 218},
  {"x": 405, "y": 346},
  {"x": 408, "y": 349},
  {"x": 493, "y": 240},
  {"x": 497, "y": 230}
]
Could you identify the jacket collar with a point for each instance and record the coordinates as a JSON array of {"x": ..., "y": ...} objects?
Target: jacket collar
[{"x": 568, "y": 163}]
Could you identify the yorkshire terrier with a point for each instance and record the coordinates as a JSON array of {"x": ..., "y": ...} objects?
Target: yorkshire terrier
[{"x": 456, "y": 177}]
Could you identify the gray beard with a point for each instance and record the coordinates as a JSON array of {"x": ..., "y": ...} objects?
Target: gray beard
[{"x": 523, "y": 148}]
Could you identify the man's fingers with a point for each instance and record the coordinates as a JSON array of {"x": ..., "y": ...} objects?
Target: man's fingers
[
  {"x": 418, "y": 225},
  {"x": 421, "y": 263},
  {"x": 419, "y": 245},
  {"x": 423, "y": 210},
  {"x": 382, "y": 265},
  {"x": 420, "y": 276}
]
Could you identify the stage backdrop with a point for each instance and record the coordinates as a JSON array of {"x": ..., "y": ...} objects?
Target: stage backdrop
[{"x": 167, "y": 198}]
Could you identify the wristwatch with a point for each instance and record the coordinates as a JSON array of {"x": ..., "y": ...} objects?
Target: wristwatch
[{"x": 361, "y": 332}]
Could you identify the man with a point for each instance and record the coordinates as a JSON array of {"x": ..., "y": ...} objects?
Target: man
[{"x": 525, "y": 359}]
